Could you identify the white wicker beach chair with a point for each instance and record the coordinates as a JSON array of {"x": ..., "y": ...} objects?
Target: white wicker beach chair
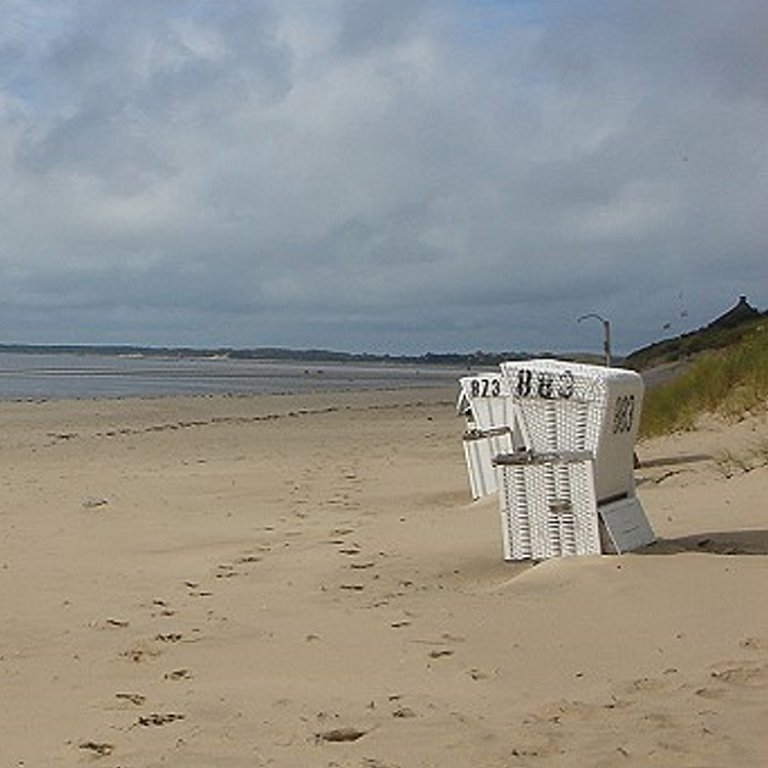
[
  {"x": 491, "y": 428},
  {"x": 579, "y": 424}
]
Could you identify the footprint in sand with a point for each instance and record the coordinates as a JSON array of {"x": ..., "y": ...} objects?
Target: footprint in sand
[
  {"x": 178, "y": 674},
  {"x": 710, "y": 693},
  {"x": 752, "y": 675},
  {"x": 161, "y": 608},
  {"x": 200, "y": 593},
  {"x": 100, "y": 748},
  {"x": 141, "y": 652},
  {"x": 110, "y": 624},
  {"x": 250, "y": 558},
  {"x": 158, "y": 719},
  {"x": 225, "y": 571},
  {"x": 94, "y": 502},
  {"x": 754, "y": 643},
  {"x": 194, "y": 590},
  {"x": 340, "y": 735},
  {"x": 137, "y": 699}
]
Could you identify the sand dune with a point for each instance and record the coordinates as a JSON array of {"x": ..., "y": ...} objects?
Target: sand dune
[{"x": 283, "y": 581}]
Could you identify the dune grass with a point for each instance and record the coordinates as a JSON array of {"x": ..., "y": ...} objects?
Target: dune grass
[
  {"x": 693, "y": 343},
  {"x": 729, "y": 382}
]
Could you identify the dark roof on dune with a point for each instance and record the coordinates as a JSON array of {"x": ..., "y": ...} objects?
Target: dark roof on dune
[{"x": 736, "y": 315}]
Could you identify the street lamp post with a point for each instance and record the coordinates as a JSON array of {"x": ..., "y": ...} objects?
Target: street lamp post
[{"x": 606, "y": 334}]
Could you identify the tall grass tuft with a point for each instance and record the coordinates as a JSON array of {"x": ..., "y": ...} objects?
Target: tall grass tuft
[{"x": 729, "y": 382}]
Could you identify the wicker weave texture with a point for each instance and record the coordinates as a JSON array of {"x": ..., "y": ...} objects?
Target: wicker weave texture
[
  {"x": 562, "y": 404},
  {"x": 548, "y": 509},
  {"x": 478, "y": 454}
]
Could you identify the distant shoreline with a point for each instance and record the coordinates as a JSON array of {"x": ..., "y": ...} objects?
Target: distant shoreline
[{"x": 267, "y": 354}]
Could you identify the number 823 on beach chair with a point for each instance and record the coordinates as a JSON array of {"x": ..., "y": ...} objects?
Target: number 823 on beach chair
[{"x": 491, "y": 428}]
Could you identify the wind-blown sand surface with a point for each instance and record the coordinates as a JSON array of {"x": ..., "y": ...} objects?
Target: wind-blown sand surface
[{"x": 302, "y": 581}]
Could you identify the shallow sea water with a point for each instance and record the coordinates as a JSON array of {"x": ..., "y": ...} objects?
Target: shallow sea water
[{"x": 58, "y": 376}]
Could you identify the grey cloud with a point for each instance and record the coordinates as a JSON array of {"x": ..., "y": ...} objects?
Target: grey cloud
[
  {"x": 367, "y": 25},
  {"x": 683, "y": 44},
  {"x": 130, "y": 77},
  {"x": 381, "y": 175}
]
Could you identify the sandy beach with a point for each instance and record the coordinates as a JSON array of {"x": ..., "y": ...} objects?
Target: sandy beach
[{"x": 303, "y": 581}]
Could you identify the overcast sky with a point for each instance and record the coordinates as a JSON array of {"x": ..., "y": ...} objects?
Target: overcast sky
[{"x": 381, "y": 175}]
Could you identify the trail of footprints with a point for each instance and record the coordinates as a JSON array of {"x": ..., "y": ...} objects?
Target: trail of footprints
[
  {"x": 171, "y": 426},
  {"x": 152, "y": 649},
  {"x": 358, "y": 576},
  {"x": 135, "y": 705}
]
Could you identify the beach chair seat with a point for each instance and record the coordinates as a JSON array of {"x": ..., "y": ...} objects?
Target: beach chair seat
[{"x": 548, "y": 505}]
